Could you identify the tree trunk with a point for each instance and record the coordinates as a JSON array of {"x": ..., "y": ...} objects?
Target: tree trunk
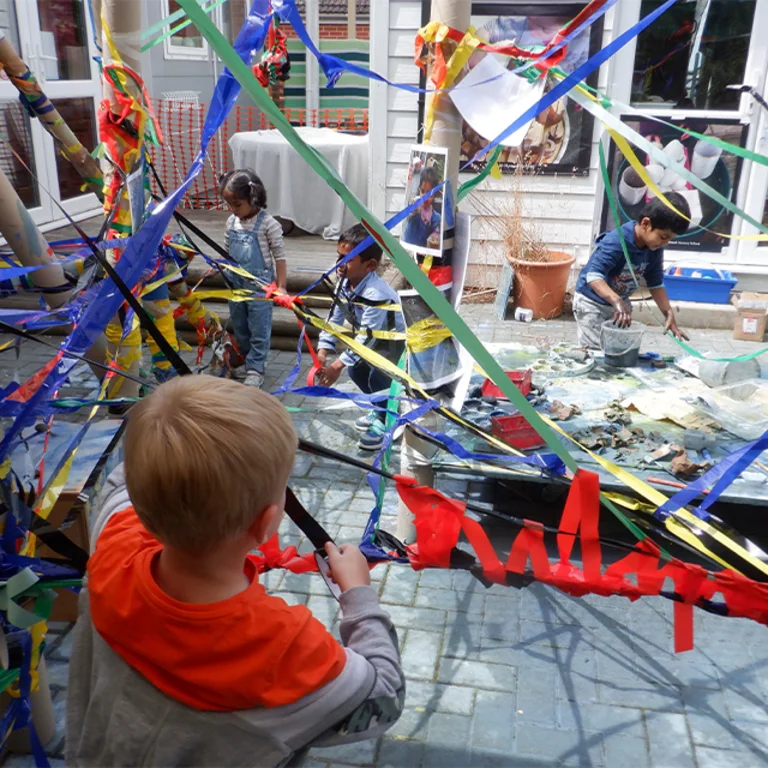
[{"x": 416, "y": 454}]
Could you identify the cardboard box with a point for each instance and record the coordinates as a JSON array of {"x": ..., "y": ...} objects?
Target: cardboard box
[{"x": 751, "y": 316}]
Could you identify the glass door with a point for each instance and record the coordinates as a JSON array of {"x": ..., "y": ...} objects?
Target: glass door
[
  {"x": 23, "y": 150},
  {"x": 686, "y": 68},
  {"x": 62, "y": 48}
]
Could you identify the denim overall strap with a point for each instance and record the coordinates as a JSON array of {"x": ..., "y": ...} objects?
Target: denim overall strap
[{"x": 251, "y": 320}]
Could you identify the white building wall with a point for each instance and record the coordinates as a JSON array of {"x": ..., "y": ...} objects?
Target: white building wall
[{"x": 563, "y": 207}]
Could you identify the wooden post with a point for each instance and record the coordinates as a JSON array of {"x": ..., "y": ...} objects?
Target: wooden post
[
  {"x": 123, "y": 28},
  {"x": 416, "y": 454},
  {"x": 352, "y": 19},
  {"x": 49, "y": 117}
]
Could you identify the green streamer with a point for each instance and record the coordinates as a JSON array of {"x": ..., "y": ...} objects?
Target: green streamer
[
  {"x": 173, "y": 30},
  {"x": 617, "y": 219},
  {"x": 468, "y": 186},
  {"x": 407, "y": 266},
  {"x": 395, "y": 388},
  {"x": 733, "y": 149}
]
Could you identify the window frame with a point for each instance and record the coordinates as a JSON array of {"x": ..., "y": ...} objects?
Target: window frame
[{"x": 173, "y": 52}]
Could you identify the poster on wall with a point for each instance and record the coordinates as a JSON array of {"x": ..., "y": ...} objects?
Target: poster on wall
[
  {"x": 718, "y": 169},
  {"x": 559, "y": 140},
  {"x": 422, "y": 231}
]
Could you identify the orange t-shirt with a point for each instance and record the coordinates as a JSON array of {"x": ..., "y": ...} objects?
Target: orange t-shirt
[{"x": 251, "y": 650}]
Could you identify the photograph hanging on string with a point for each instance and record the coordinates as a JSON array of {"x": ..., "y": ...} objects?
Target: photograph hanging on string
[
  {"x": 559, "y": 139},
  {"x": 720, "y": 170},
  {"x": 422, "y": 230}
]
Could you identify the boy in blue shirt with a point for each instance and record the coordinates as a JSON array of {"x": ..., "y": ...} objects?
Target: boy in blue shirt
[
  {"x": 605, "y": 283},
  {"x": 422, "y": 228},
  {"x": 360, "y": 293}
]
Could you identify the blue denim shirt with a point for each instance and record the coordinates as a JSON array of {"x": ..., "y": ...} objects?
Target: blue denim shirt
[
  {"x": 373, "y": 288},
  {"x": 607, "y": 263}
]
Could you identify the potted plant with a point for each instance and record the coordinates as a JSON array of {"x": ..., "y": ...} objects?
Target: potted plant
[{"x": 541, "y": 274}]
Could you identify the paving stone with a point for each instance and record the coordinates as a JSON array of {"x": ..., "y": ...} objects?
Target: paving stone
[
  {"x": 357, "y": 753},
  {"x": 62, "y": 650},
  {"x": 293, "y": 598},
  {"x": 400, "y": 586},
  {"x": 425, "y": 619},
  {"x": 494, "y": 677},
  {"x": 708, "y": 757},
  {"x": 744, "y": 705},
  {"x": 448, "y": 731},
  {"x": 471, "y": 602},
  {"x": 412, "y": 724},
  {"x": 400, "y": 753},
  {"x": 536, "y": 700},
  {"x": 436, "y": 578},
  {"x": 591, "y": 717},
  {"x": 640, "y": 694},
  {"x": 626, "y": 752},
  {"x": 493, "y": 724},
  {"x": 670, "y": 745},
  {"x": 421, "y": 653},
  {"x": 58, "y": 672},
  {"x": 433, "y": 697},
  {"x": 560, "y": 747}
]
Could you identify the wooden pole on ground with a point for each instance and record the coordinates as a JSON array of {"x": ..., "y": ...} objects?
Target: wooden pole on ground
[{"x": 416, "y": 454}]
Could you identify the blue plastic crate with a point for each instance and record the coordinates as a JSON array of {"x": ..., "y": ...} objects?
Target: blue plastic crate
[{"x": 710, "y": 286}]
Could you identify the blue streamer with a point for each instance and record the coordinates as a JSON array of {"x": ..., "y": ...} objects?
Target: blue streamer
[
  {"x": 547, "y": 99},
  {"x": 722, "y": 475},
  {"x": 334, "y": 67}
]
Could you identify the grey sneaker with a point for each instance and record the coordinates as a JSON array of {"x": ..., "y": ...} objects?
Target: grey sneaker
[
  {"x": 254, "y": 379},
  {"x": 365, "y": 421}
]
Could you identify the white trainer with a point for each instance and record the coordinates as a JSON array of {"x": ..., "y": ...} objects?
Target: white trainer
[{"x": 254, "y": 379}]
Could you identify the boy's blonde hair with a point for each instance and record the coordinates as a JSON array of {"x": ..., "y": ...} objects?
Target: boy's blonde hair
[{"x": 203, "y": 457}]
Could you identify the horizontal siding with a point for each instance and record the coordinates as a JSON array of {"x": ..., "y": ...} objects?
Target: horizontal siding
[
  {"x": 563, "y": 208},
  {"x": 402, "y": 106}
]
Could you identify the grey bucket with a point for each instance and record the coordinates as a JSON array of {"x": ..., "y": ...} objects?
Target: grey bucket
[{"x": 621, "y": 345}]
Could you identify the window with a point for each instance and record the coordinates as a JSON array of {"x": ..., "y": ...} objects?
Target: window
[
  {"x": 185, "y": 43},
  {"x": 690, "y": 55}
]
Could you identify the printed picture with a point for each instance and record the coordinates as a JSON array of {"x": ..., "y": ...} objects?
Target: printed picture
[
  {"x": 422, "y": 230},
  {"x": 720, "y": 170},
  {"x": 559, "y": 139}
]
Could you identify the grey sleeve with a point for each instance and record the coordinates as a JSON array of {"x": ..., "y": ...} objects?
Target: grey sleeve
[
  {"x": 367, "y": 630},
  {"x": 363, "y": 701}
]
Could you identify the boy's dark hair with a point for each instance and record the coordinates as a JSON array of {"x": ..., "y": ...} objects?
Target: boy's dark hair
[
  {"x": 354, "y": 236},
  {"x": 663, "y": 217},
  {"x": 244, "y": 184},
  {"x": 430, "y": 176}
]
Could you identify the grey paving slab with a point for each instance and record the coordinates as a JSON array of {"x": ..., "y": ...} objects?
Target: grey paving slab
[{"x": 505, "y": 677}]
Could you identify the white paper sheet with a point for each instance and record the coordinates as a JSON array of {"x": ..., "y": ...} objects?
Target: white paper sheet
[{"x": 492, "y": 107}]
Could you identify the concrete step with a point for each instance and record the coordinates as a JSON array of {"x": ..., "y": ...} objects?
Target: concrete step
[{"x": 690, "y": 314}]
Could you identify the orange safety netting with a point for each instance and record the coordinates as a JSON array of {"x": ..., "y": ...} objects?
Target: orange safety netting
[{"x": 182, "y": 123}]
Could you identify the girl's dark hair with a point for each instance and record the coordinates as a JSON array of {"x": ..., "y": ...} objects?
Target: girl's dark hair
[{"x": 244, "y": 184}]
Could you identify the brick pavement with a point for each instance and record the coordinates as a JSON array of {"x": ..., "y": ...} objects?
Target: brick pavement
[{"x": 502, "y": 677}]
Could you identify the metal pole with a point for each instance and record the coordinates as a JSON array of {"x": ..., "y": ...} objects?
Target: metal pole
[
  {"x": 313, "y": 68},
  {"x": 416, "y": 455}
]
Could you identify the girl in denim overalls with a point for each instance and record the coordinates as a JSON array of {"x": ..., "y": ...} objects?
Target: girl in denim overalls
[{"x": 255, "y": 242}]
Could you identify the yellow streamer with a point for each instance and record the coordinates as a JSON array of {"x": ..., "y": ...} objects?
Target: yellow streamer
[{"x": 673, "y": 525}]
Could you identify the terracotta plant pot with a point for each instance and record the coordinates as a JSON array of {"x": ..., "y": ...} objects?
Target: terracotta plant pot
[{"x": 540, "y": 285}]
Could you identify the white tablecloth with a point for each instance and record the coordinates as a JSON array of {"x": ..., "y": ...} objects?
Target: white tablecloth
[{"x": 294, "y": 191}]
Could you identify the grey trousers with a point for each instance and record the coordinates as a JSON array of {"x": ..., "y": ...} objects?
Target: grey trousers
[{"x": 590, "y": 317}]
